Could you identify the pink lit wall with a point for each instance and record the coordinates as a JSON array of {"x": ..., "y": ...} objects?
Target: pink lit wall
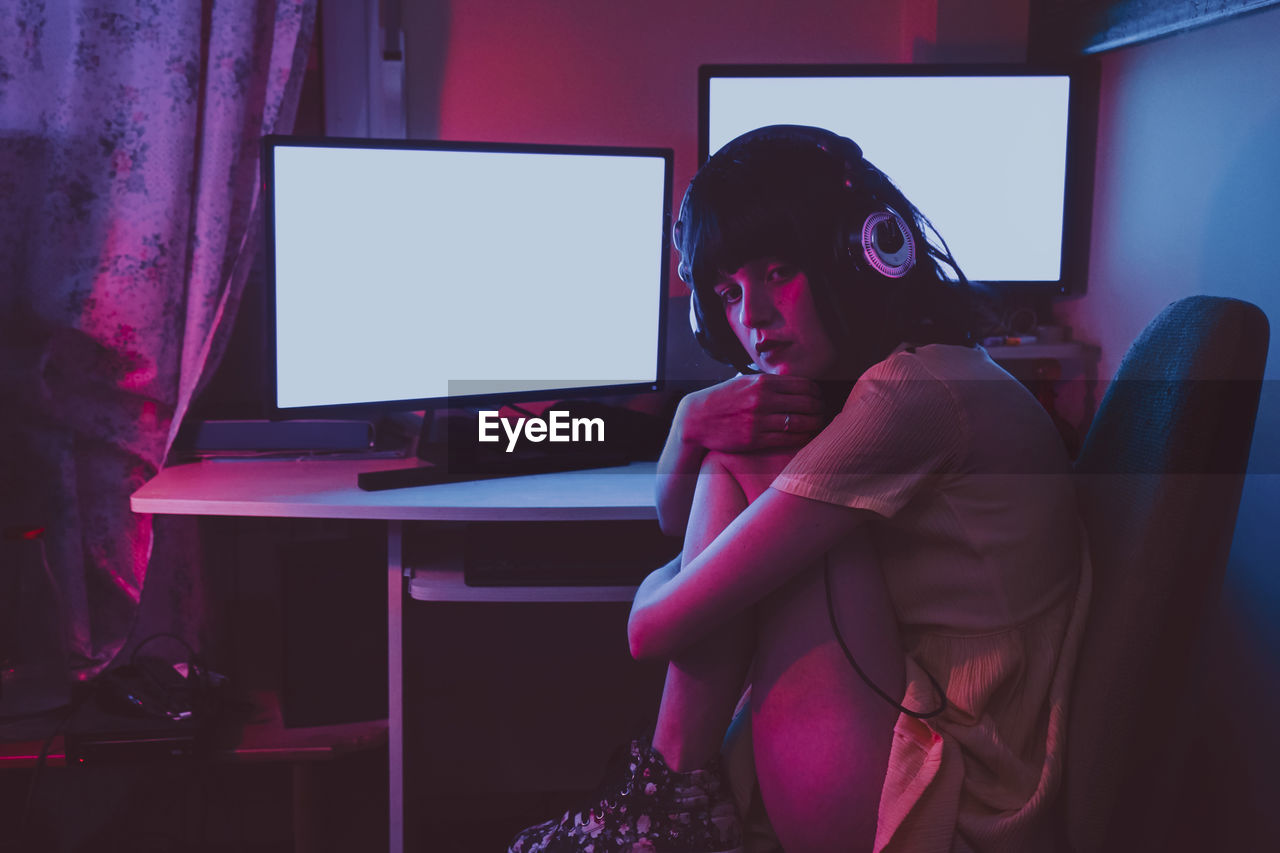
[{"x": 625, "y": 73}]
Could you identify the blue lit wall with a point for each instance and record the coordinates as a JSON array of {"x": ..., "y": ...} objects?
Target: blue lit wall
[{"x": 1187, "y": 201}]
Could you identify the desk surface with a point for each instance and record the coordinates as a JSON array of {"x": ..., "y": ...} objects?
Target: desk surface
[{"x": 327, "y": 489}]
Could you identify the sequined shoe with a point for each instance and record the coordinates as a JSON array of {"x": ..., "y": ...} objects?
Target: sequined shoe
[{"x": 652, "y": 809}]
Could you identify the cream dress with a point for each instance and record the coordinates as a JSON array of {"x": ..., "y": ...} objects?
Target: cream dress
[{"x": 985, "y": 563}]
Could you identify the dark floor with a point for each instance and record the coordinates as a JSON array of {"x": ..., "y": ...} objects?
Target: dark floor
[
  {"x": 498, "y": 698},
  {"x": 249, "y": 808},
  {"x": 482, "y": 824},
  {"x": 196, "y": 806}
]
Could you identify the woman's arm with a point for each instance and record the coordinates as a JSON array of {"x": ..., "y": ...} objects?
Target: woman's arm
[
  {"x": 741, "y": 414},
  {"x": 678, "y": 467},
  {"x": 776, "y": 536}
]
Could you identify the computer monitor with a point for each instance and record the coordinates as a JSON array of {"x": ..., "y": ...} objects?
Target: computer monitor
[
  {"x": 410, "y": 275},
  {"x": 997, "y": 157}
]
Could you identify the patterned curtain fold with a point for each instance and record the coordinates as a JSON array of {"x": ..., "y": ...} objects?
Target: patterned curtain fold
[{"x": 129, "y": 139}]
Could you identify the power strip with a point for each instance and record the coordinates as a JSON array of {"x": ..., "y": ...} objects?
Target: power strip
[{"x": 95, "y": 749}]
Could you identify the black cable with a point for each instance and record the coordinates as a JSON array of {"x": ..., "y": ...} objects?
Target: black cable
[
  {"x": 191, "y": 654},
  {"x": 42, "y": 761},
  {"x": 193, "y": 694},
  {"x": 831, "y": 611}
]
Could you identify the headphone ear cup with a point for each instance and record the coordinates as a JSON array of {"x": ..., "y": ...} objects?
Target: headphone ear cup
[
  {"x": 701, "y": 333},
  {"x": 677, "y": 241},
  {"x": 695, "y": 321},
  {"x": 887, "y": 244}
]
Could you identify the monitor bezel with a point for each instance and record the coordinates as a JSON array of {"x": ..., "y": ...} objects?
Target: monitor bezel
[
  {"x": 1082, "y": 106},
  {"x": 271, "y": 142}
]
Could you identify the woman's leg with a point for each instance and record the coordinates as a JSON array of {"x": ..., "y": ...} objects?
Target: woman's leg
[
  {"x": 684, "y": 810},
  {"x": 704, "y": 684},
  {"x": 821, "y": 736}
]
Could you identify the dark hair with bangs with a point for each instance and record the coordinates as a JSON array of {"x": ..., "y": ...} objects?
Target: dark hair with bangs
[{"x": 795, "y": 193}]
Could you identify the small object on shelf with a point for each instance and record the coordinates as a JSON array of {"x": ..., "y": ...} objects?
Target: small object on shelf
[
  {"x": 1051, "y": 334},
  {"x": 1067, "y": 350},
  {"x": 1011, "y": 341}
]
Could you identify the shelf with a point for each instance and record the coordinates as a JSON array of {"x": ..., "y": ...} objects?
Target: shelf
[
  {"x": 1066, "y": 351},
  {"x": 448, "y": 585},
  {"x": 263, "y": 739},
  {"x": 20, "y": 754}
]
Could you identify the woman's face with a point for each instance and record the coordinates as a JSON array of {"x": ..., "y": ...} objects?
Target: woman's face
[{"x": 770, "y": 308}]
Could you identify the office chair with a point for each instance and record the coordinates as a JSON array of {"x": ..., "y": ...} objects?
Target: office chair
[{"x": 1160, "y": 472}]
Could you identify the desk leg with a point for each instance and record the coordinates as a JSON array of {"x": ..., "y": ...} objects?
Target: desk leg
[{"x": 395, "y": 683}]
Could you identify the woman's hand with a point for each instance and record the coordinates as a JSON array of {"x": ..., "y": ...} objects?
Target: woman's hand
[
  {"x": 749, "y": 413},
  {"x": 739, "y": 415}
]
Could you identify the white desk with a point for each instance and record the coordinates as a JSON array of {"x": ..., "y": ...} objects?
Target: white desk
[{"x": 327, "y": 489}]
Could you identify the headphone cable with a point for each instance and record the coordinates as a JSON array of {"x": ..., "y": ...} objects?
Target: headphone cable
[{"x": 831, "y": 611}]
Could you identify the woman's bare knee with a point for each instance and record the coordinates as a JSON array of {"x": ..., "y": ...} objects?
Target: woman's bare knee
[{"x": 822, "y": 736}]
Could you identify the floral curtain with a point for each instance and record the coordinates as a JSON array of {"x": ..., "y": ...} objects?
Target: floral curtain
[{"x": 129, "y": 183}]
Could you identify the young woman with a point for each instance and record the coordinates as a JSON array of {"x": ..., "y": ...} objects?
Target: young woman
[{"x": 904, "y": 594}]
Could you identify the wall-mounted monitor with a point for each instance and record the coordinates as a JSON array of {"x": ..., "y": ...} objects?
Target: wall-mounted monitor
[
  {"x": 998, "y": 158},
  {"x": 414, "y": 274}
]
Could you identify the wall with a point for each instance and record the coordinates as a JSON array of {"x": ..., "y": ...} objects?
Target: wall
[
  {"x": 625, "y": 73},
  {"x": 1187, "y": 197},
  {"x": 587, "y": 72}
]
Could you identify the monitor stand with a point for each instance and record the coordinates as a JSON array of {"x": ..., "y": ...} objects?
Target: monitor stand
[{"x": 449, "y": 451}]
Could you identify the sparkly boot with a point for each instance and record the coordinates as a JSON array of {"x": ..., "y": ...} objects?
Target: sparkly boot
[{"x": 652, "y": 809}]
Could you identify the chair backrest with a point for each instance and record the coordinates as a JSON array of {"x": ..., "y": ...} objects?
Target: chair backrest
[{"x": 1160, "y": 476}]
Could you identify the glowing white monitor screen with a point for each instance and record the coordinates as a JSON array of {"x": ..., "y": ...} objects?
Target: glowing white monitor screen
[
  {"x": 984, "y": 158},
  {"x": 419, "y": 273}
]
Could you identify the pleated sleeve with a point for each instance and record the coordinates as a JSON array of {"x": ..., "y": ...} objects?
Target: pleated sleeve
[{"x": 899, "y": 432}]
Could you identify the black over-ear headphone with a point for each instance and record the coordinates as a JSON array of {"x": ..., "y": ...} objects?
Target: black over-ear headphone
[{"x": 870, "y": 236}]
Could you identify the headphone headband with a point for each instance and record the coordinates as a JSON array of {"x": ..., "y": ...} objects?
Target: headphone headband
[
  {"x": 825, "y": 140},
  {"x": 879, "y": 242}
]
